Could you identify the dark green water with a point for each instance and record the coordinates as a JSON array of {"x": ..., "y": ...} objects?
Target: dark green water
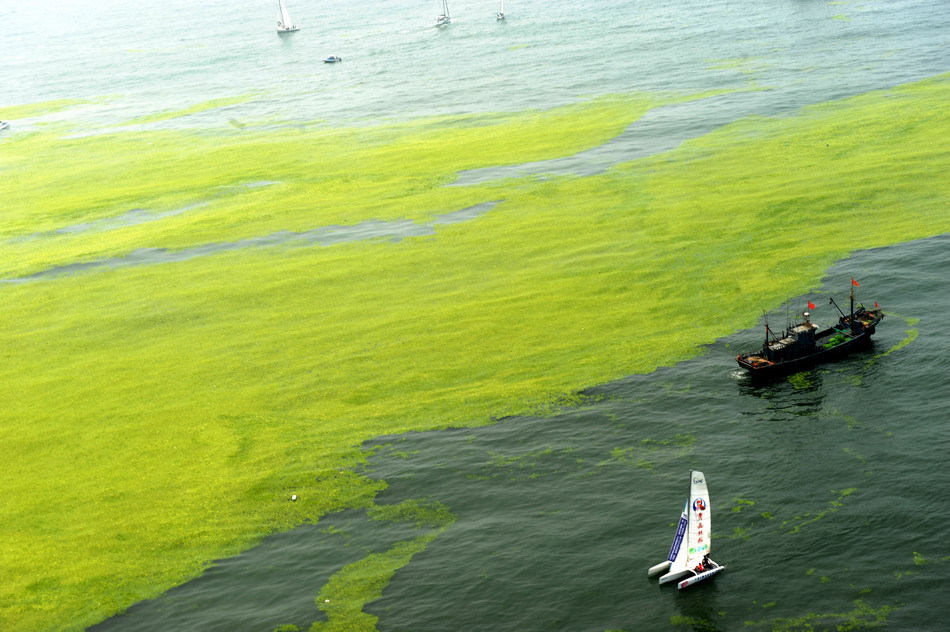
[{"x": 830, "y": 509}]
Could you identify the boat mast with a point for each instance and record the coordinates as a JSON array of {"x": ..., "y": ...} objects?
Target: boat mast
[{"x": 852, "y": 299}]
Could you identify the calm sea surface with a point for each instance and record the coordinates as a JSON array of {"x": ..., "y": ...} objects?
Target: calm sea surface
[{"x": 828, "y": 499}]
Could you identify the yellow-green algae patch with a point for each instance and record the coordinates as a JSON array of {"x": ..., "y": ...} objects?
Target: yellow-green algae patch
[
  {"x": 861, "y": 617},
  {"x": 157, "y": 417},
  {"x": 348, "y": 591},
  {"x": 194, "y": 109},
  {"x": 28, "y": 110},
  {"x": 316, "y": 178}
]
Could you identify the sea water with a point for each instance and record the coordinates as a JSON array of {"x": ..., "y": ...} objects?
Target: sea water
[{"x": 829, "y": 503}]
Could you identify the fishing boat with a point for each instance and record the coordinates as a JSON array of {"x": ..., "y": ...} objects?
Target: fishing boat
[
  {"x": 444, "y": 17},
  {"x": 804, "y": 344},
  {"x": 284, "y": 23},
  {"x": 332, "y": 59},
  {"x": 688, "y": 562},
  {"x": 500, "y": 15}
]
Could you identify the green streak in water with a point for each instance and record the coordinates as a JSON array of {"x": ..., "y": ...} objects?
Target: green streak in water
[
  {"x": 795, "y": 525},
  {"x": 910, "y": 336},
  {"x": 198, "y": 107},
  {"x": 861, "y": 617},
  {"x": 347, "y": 592},
  {"x": 30, "y": 110}
]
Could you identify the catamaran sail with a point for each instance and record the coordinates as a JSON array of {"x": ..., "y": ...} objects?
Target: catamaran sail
[
  {"x": 444, "y": 18},
  {"x": 284, "y": 23},
  {"x": 689, "y": 554}
]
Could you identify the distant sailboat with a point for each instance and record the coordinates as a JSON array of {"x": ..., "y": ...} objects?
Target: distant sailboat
[
  {"x": 284, "y": 23},
  {"x": 501, "y": 10},
  {"x": 4, "y": 125},
  {"x": 444, "y": 18}
]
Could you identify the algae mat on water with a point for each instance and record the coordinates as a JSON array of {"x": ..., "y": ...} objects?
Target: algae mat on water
[{"x": 157, "y": 417}]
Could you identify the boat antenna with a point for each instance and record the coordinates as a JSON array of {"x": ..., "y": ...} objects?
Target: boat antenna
[{"x": 788, "y": 318}]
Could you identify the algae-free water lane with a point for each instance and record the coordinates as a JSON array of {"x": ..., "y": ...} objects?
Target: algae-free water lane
[
  {"x": 323, "y": 236},
  {"x": 818, "y": 483}
]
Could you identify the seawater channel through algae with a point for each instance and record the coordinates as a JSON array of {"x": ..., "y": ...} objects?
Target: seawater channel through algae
[{"x": 159, "y": 416}]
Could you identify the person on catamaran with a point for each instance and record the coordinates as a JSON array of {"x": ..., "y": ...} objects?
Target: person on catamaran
[
  {"x": 699, "y": 568},
  {"x": 705, "y": 563}
]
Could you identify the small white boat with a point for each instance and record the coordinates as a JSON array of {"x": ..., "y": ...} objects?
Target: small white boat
[
  {"x": 688, "y": 562},
  {"x": 4, "y": 125},
  {"x": 500, "y": 14},
  {"x": 284, "y": 23},
  {"x": 332, "y": 59},
  {"x": 444, "y": 18}
]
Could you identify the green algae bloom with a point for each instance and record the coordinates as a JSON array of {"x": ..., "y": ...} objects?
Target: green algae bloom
[{"x": 158, "y": 416}]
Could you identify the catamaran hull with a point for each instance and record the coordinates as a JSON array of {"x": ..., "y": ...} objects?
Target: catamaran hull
[
  {"x": 672, "y": 577},
  {"x": 659, "y": 568},
  {"x": 689, "y": 581},
  {"x": 282, "y": 31}
]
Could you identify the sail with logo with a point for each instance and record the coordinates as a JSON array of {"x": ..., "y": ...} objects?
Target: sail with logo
[{"x": 688, "y": 561}]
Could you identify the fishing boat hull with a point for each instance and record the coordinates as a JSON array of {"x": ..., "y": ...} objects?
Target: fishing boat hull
[
  {"x": 775, "y": 369},
  {"x": 698, "y": 577},
  {"x": 828, "y": 345}
]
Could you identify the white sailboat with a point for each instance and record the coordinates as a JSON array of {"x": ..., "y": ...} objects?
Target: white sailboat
[
  {"x": 444, "y": 17},
  {"x": 500, "y": 15},
  {"x": 688, "y": 561},
  {"x": 284, "y": 23}
]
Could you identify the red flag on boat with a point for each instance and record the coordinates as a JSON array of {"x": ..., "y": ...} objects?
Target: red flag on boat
[
  {"x": 811, "y": 305},
  {"x": 855, "y": 283}
]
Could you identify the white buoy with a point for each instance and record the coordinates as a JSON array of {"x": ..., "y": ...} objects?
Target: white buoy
[{"x": 294, "y": 497}]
